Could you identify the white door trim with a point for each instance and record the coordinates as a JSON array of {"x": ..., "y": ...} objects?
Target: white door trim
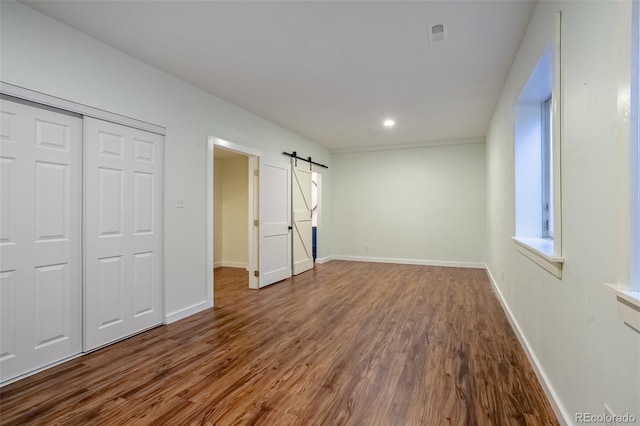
[
  {"x": 235, "y": 147},
  {"x": 78, "y": 108},
  {"x": 253, "y": 154},
  {"x": 209, "y": 218}
]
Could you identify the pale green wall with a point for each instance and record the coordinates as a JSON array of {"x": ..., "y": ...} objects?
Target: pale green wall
[
  {"x": 587, "y": 354},
  {"x": 425, "y": 205}
]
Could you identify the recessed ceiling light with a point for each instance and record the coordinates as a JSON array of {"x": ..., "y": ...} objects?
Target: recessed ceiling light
[{"x": 389, "y": 122}]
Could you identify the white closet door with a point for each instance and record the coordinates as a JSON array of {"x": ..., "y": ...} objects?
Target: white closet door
[
  {"x": 123, "y": 231},
  {"x": 40, "y": 237}
]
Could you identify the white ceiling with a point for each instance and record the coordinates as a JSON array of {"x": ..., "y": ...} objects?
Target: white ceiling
[{"x": 328, "y": 70}]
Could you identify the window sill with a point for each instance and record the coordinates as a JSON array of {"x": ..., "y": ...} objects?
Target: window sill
[
  {"x": 628, "y": 305},
  {"x": 540, "y": 251}
]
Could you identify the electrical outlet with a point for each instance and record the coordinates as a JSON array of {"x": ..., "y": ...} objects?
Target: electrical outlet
[
  {"x": 366, "y": 247},
  {"x": 180, "y": 202},
  {"x": 609, "y": 416}
]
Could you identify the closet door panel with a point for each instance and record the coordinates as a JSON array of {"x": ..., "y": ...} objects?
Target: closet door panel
[
  {"x": 40, "y": 236},
  {"x": 123, "y": 280}
]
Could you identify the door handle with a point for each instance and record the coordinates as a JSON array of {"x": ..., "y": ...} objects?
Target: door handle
[{"x": 290, "y": 227}]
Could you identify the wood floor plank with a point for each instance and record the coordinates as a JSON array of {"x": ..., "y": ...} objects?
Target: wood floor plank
[{"x": 343, "y": 344}]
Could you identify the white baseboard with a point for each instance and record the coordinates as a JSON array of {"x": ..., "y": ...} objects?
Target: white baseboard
[
  {"x": 552, "y": 396},
  {"x": 324, "y": 259},
  {"x": 232, "y": 264},
  {"x": 424, "y": 262},
  {"x": 185, "y": 312}
]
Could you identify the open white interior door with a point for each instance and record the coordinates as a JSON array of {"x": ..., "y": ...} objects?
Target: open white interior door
[
  {"x": 301, "y": 200},
  {"x": 275, "y": 215}
]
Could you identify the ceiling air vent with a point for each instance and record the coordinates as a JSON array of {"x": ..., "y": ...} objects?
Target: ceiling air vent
[{"x": 438, "y": 32}]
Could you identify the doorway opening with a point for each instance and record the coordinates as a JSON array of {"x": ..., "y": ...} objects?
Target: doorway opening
[
  {"x": 232, "y": 209},
  {"x": 316, "y": 192}
]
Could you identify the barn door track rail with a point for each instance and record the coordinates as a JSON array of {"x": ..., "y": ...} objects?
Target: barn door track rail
[{"x": 294, "y": 155}]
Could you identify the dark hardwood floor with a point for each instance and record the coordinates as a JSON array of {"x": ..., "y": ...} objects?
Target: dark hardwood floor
[{"x": 345, "y": 343}]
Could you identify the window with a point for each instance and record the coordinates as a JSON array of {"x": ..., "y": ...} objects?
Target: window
[{"x": 537, "y": 163}]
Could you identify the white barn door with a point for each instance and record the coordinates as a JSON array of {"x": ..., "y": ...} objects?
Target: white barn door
[
  {"x": 275, "y": 214},
  {"x": 40, "y": 237},
  {"x": 122, "y": 233},
  {"x": 302, "y": 233}
]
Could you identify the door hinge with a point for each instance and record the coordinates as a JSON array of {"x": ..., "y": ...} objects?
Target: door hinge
[
  {"x": 256, "y": 222},
  {"x": 256, "y": 273},
  {"x": 256, "y": 172}
]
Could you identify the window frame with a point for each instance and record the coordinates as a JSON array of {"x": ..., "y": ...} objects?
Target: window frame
[
  {"x": 634, "y": 107},
  {"x": 529, "y": 236},
  {"x": 546, "y": 145}
]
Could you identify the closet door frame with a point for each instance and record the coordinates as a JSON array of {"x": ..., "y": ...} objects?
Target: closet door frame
[
  {"x": 88, "y": 111},
  {"x": 84, "y": 110}
]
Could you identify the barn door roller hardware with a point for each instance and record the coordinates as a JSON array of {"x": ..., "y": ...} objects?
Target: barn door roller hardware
[{"x": 308, "y": 160}]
